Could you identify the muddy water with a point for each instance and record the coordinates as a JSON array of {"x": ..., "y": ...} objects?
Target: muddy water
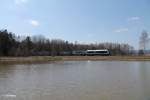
[{"x": 76, "y": 80}]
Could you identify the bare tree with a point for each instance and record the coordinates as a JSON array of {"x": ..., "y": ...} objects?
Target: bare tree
[
  {"x": 10, "y": 45},
  {"x": 143, "y": 43}
]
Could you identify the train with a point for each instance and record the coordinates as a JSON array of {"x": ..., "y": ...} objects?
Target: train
[{"x": 100, "y": 52}]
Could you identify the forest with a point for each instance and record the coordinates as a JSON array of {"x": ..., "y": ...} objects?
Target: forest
[{"x": 13, "y": 45}]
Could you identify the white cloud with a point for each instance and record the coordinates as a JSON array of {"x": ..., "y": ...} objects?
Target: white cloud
[
  {"x": 34, "y": 23},
  {"x": 121, "y": 30},
  {"x": 18, "y": 2},
  {"x": 134, "y": 18}
]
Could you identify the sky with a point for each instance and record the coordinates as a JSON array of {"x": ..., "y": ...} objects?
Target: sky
[{"x": 85, "y": 21}]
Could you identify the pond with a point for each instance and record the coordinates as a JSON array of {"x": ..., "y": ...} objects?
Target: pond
[{"x": 76, "y": 80}]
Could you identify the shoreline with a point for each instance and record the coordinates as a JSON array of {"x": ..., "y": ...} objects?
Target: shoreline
[
  {"x": 106, "y": 58},
  {"x": 28, "y": 60},
  {"x": 47, "y": 59}
]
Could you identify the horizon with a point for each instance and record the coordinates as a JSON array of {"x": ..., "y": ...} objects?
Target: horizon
[{"x": 85, "y": 21}]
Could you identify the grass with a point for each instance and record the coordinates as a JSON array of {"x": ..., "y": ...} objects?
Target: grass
[
  {"x": 47, "y": 59},
  {"x": 32, "y": 59},
  {"x": 107, "y": 58}
]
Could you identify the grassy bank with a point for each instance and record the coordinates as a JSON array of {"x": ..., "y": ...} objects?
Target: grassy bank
[
  {"x": 106, "y": 58},
  {"x": 34, "y": 59},
  {"x": 45, "y": 59}
]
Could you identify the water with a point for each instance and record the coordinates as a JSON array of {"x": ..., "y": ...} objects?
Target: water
[{"x": 76, "y": 80}]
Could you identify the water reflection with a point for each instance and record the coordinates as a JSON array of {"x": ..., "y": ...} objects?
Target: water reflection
[
  {"x": 76, "y": 80},
  {"x": 145, "y": 79}
]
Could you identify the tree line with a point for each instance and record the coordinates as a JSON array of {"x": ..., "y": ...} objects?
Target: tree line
[{"x": 12, "y": 45}]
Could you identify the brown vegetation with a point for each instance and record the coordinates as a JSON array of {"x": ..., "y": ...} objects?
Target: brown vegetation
[
  {"x": 106, "y": 58},
  {"x": 47, "y": 59},
  {"x": 37, "y": 59}
]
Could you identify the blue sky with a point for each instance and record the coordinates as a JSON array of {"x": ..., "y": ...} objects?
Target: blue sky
[{"x": 85, "y": 21}]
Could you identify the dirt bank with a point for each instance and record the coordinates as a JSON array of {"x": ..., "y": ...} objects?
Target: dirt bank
[{"x": 45, "y": 59}]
